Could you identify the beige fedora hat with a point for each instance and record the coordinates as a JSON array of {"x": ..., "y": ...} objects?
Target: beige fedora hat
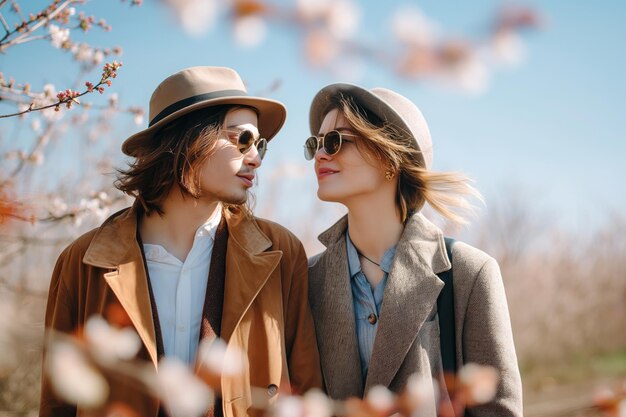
[
  {"x": 198, "y": 87},
  {"x": 390, "y": 106}
]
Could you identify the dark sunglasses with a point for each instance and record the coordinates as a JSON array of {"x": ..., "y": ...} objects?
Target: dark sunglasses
[
  {"x": 244, "y": 139},
  {"x": 330, "y": 142}
]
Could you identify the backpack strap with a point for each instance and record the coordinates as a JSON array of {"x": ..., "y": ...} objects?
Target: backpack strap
[{"x": 445, "y": 310}]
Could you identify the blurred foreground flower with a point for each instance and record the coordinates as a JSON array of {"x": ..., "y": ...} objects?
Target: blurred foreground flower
[
  {"x": 317, "y": 404},
  {"x": 477, "y": 384},
  {"x": 111, "y": 343},
  {"x": 183, "y": 393},
  {"x": 313, "y": 404},
  {"x": 219, "y": 358},
  {"x": 216, "y": 361},
  {"x": 611, "y": 402},
  {"x": 288, "y": 406},
  {"x": 381, "y": 399},
  {"x": 73, "y": 378},
  {"x": 71, "y": 367},
  {"x": 420, "y": 392}
]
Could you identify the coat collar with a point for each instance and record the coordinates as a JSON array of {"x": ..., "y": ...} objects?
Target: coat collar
[
  {"x": 418, "y": 232},
  {"x": 410, "y": 296},
  {"x": 248, "y": 267},
  {"x": 115, "y": 242}
]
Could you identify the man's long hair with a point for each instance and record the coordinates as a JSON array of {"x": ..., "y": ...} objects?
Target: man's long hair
[{"x": 173, "y": 156}]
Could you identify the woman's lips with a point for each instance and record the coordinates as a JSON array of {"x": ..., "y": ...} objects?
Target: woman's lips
[
  {"x": 247, "y": 179},
  {"x": 325, "y": 172}
]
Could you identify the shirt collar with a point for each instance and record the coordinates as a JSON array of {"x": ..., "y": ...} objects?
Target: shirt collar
[
  {"x": 355, "y": 264},
  {"x": 210, "y": 227},
  {"x": 157, "y": 253}
]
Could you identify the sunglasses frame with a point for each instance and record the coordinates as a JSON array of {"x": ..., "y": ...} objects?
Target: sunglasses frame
[
  {"x": 320, "y": 143},
  {"x": 244, "y": 149}
]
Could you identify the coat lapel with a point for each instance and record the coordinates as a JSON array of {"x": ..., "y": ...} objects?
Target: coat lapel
[
  {"x": 410, "y": 297},
  {"x": 248, "y": 267},
  {"x": 115, "y": 247},
  {"x": 331, "y": 303},
  {"x": 130, "y": 285}
]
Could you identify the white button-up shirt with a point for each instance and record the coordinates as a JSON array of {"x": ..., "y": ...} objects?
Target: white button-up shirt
[{"x": 179, "y": 289}]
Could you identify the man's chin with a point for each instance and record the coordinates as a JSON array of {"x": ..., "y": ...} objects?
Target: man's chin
[{"x": 235, "y": 199}]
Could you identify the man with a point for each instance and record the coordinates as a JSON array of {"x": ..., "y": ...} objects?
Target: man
[{"x": 188, "y": 260}]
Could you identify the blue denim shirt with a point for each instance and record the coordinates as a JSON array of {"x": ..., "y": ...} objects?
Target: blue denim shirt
[{"x": 366, "y": 301}]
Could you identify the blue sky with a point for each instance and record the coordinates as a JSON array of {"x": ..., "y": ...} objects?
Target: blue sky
[{"x": 550, "y": 131}]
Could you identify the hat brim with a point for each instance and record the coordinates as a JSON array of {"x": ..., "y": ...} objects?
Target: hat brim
[
  {"x": 271, "y": 117},
  {"x": 322, "y": 102}
]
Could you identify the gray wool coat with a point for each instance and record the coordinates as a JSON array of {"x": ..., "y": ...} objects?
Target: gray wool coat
[{"x": 407, "y": 340}]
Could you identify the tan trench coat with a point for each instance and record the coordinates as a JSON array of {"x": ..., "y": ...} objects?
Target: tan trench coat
[
  {"x": 407, "y": 340},
  {"x": 265, "y": 314}
]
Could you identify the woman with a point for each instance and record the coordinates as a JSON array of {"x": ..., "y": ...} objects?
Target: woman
[{"x": 374, "y": 290}]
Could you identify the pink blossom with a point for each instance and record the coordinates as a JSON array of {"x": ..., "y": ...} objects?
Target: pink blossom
[
  {"x": 73, "y": 378},
  {"x": 320, "y": 48},
  {"x": 317, "y": 404},
  {"x": 421, "y": 391},
  {"x": 138, "y": 119},
  {"x": 196, "y": 16},
  {"x": 250, "y": 30},
  {"x": 289, "y": 406},
  {"x": 58, "y": 35},
  {"x": 83, "y": 52},
  {"x": 412, "y": 27},
  {"x": 183, "y": 393},
  {"x": 220, "y": 358},
  {"x": 111, "y": 343},
  {"x": 36, "y": 158},
  {"x": 479, "y": 382},
  {"x": 343, "y": 18},
  {"x": 381, "y": 399},
  {"x": 312, "y": 9},
  {"x": 98, "y": 57}
]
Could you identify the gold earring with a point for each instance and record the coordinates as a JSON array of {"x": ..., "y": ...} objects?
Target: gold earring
[{"x": 389, "y": 175}]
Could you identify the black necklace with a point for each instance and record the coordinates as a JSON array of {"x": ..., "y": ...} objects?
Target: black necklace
[{"x": 360, "y": 254}]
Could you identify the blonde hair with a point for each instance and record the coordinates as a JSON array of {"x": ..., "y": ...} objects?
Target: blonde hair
[{"x": 446, "y": 192}]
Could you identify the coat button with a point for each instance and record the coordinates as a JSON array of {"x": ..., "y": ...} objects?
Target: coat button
[
  {"x": 372, "y": 318},
  {"x": 272, "y": 390}
]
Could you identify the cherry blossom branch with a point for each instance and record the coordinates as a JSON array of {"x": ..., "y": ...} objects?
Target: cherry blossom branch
[
  {"x": 57, "y": 11},
  {"x": 37, "y": 21},
  {"x": 24, "y": 90},
  {"x": 34, "y": 156},
  {"x": 418, "y": 50},
  {"x": 4, "y": 23},
  {"x": 99, "y": 202},
  {"x": 68, "y": 97}
]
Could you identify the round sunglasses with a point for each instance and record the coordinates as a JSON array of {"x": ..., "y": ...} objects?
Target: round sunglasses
[
  {"x": 244, "y": 139},
  {"x": 330, "y": 142}
]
